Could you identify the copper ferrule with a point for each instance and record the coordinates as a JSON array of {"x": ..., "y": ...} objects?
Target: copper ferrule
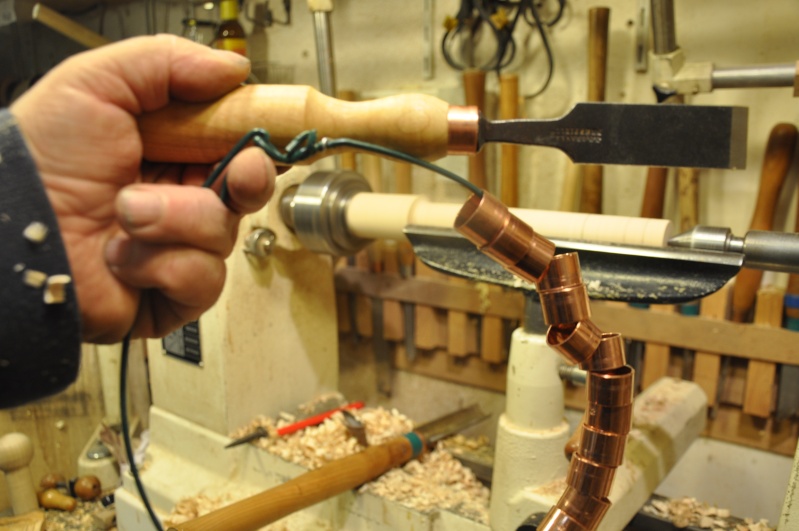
[
  {"x": 557, "y": 520},
  {"x": 590, "y": 478},
  {"x": 563, "y": 272},
  {"x": 613, "y": 419},
  {"x": 464, "y": 130},
  {"x": 564, "y": 306},
  {"x": 609, "y": 355},
  {"x": 587, "y": 510},
  {"x": 575, "y": 342},
  {"x": 602, "y": 447},
  {"x": 487, "y": 223},
  {"x": 611, "y": 388}
]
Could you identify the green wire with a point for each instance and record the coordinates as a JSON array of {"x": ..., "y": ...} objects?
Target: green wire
[{"x": 305, "y": 145}]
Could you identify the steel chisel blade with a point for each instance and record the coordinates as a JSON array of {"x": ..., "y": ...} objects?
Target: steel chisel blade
[{"x": 652, "y": 135}]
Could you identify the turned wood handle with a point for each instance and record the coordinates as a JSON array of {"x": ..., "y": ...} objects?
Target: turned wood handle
[
  {"x": 776, "y": 162},
  {"x": 204, "y": 132},
  {"x": 598, "y": 19},
  {"x": 305, "y": 490}
]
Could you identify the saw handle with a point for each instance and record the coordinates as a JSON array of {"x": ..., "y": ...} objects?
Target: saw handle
[
  {"x": 416, "y": 124},
  {"x": 308, "y": 489},
  {"x": 776, "y": 163}
]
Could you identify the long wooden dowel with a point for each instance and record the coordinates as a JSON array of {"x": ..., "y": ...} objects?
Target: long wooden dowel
[{"x": 305, "y": 490}]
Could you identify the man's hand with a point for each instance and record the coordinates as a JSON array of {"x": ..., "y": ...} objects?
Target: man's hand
[{"x": 145, "y": 242}]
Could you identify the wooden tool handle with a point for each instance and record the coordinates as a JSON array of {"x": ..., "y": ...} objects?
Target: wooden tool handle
[
  {"x": 205, "y": 132},
  {"x": 598, "y": 21},
  {"x": 776, "y": 162},
  {"x": 654, "y": 192},
  {"x": 68, "y": 27},
  {"x": 509, "y": 110},
  {"x": 305, "y": 490}
]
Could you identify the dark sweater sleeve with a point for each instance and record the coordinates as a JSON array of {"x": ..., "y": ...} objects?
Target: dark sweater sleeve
[{"x": 39, "y": 341}]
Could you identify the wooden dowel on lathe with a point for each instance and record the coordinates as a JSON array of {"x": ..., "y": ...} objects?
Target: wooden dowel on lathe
[
  {"x": 303, "y": 491},
  {"x": 777, "y": 158},
  {"x": 598, "y": 23}
]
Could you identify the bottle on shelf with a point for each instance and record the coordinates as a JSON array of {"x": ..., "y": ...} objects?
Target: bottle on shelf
[{"x": 230, "y": 35}]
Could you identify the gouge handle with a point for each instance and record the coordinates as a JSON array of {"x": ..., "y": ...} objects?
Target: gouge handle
[
  {"x": 780, "y": 149},
  {"x": 204, "y": 132},
  {"x": 303, "y": 491}
]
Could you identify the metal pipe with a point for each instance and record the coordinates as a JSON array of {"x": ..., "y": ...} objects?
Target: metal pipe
[
  {"x": 664, "y": 39},
  {"x": 754, "y": 76},
  {"x": 324, "y": 52}
]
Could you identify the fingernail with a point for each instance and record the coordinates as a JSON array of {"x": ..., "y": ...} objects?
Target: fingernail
[
  {"x": 117, "y": 251},
  {"x": 140, "y": 208},
  {"x": 233, "y": 57}
]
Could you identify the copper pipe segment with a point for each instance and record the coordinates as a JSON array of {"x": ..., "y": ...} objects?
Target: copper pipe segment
[
  {"x": 563, "y": 272},
  {"x": 611, "y": 388},
  {"x": 487, "y": 223},
  {"x": 587, "y": 510},
  {"x": 565, "y": 306},
  {"x": 610, "y": 354},
  {"x": 602, "y": 447},
  {"x": 613, "y": 419},
  {"x": 557, "y": 520},
  {"x": 575, "y": 342},
  {"x": 590, "y": 478},
  {"x": 464, "y": 130}
]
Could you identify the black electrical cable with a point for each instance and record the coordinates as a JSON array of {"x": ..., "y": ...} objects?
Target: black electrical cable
[
  {"x": 123, "y": 414},
  {"x": 302, "y": 147}
]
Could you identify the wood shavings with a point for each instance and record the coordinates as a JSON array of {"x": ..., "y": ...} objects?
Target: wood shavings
[
  {"x": 55, "y": 289},
  {"x": 686, "y": 511},
  {"x": 81, "y": 519},
  {"x": 318, "y": 445},
  {"x": 35, "y": 232},
  {"x": 436, "y": 481},
  {"x": 33, "y": 278}
]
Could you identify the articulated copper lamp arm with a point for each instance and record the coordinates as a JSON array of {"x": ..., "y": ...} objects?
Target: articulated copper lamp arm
[{"x": 487, "y": 223}]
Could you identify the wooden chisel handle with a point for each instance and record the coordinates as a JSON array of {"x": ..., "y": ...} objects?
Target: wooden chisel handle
[
  {"x": 776, "y": 162},
  {"x": 305, "y": 490},
  {"x": 416, "y": 124}
]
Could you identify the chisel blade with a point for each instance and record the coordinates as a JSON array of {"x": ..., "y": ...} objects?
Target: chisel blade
[{"x": 636, "y": 134}]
